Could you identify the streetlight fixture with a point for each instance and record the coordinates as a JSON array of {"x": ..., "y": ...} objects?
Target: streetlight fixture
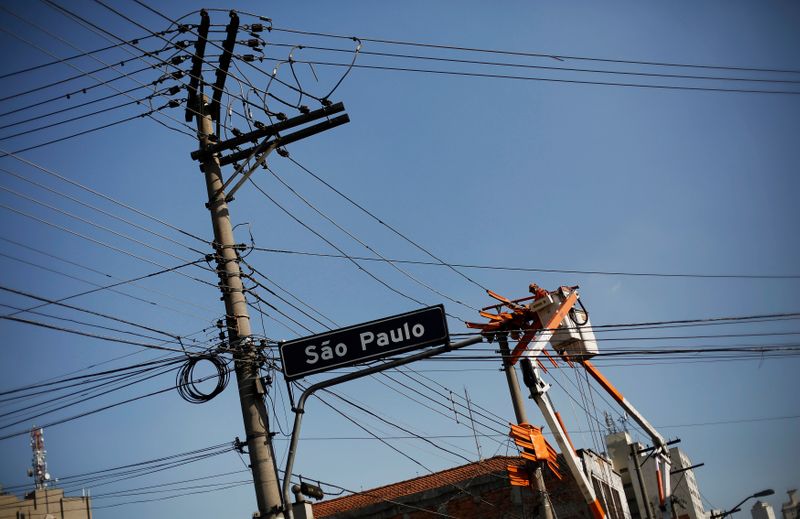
[{"x": 763, "y": 493}]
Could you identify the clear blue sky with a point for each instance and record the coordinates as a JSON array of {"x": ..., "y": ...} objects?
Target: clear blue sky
[{"x": 480, "y": 170}]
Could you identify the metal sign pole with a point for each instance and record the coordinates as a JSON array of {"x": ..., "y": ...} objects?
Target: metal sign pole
[{"x": 300, "y": 408}]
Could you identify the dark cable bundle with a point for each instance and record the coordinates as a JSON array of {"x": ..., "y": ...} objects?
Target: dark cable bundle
[{"x": 185, "y": 381}]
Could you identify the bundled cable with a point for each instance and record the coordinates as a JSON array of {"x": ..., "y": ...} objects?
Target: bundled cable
[{"x": 186, "y": 383}]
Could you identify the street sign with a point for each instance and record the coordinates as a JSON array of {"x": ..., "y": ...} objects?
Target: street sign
[{"x": 362, "y": 342}]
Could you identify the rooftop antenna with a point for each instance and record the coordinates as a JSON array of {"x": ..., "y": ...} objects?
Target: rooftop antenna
[
  {"x": 472, "y": 422},
  {"x": 623, "y": 420},
  {"x": 611, "y": 427},
  {"x": 38, "y": 470}
]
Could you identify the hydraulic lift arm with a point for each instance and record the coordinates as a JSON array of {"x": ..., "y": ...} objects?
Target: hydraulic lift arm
[
  {"x": 539, "y": 389},
  {"x": 656, "y": 437},
  {"x": 661, "y": 454},
  {"x": 552, "y": 318}
]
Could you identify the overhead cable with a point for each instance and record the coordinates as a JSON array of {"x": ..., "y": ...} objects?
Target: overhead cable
[
  {"x": 535, "y": 269},
  {"x": 559, "y": 57}
]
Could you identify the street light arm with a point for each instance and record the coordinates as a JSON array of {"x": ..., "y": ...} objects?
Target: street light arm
[{"x": 763, "y": 493}]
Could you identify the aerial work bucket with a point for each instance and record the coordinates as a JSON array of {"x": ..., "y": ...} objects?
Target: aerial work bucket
[{"x": 574, "y": 336}]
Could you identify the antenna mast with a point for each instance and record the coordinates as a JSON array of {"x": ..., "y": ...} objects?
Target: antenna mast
[{"x": 39, "y": 465}]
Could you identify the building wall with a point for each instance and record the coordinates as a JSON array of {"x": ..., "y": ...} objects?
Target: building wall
[
  {"x": 492, "y": 496},
  {"x": 607, "y": 484},
  {"x": 687, "y": 500},
  {"x": 762, "y": 510},
  {"x": 619, "y": 451},
  {"x": 482, "y": 497},
  {"x": 48, "y": 503},
  {"x": 790, "y": 508}
]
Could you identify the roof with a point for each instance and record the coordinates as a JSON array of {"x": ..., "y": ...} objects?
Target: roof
[{"x": 413, "y": 486}]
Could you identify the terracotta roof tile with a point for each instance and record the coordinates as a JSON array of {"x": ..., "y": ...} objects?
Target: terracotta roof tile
[{"x": 414, "y": 486}]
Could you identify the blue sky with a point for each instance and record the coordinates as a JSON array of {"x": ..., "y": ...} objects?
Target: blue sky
[{"x": 487, "y": 171}]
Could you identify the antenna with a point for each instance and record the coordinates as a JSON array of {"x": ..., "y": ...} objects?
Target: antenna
[
  {"x": 472, "y": 422},
  {"x": 611, "y": 427},
  {"x": 38, "y": 470},
  {"x": 623, "y": 420}
]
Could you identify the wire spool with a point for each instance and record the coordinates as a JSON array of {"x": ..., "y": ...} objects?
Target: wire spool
[{"x": 186, "y": 382}]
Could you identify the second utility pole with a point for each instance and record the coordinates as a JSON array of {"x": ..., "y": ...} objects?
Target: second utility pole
[
  {"x": 546, "y": 510},
  {"x": 237, "y": 318}
]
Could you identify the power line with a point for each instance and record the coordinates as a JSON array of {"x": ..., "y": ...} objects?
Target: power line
[
  {"x": 290, "y": 294},
  {"x": 100, "y": 409},
  {"x": 68, "y": 96},
  {"x": 262, "y": 300},
  {"x": 162, "y": 15},
  {"x": 104, "y": 275},
  {"x": 548, "y": 80},
  {"x": 119, "y": 283},
  {"x": 73, "y": 381},
  {"x": 70, "y": 276},
  {"x": 112, "y": 247},
  {"x": 83, "y": 395},
  {"x": 148, "y": 113},
  {"x": 380, "y": 221},
  {"x": 106, "y": 34},
  {"x": 261, "y": 285},
  {"x": 72, "y": 375},
  {"x": 533, "y": 269},
  {"x": 84, "y": 310},
  {"x": 85, "y": 115},
  {"x": 82, "y": 54},
  {"x": 571, "y": 431},
  {"x": 406, "y": 455},
  {"x": 81, "y": 323},
  {"x": 49, "y": 33},
  {"x": 540, "y": 67},
  {"x": 316, "y": 233},
  {"x": 172, "y": 483},
  {"x": 98, "y": 194},
  {"x": 97, "y": 29},
  {"x": 177, "y": 459},
  {"x": 705, "y": 321},
  {"x": 82, "y": 90},
  {"x": 455, "y": 415},
  {"x": 86, "y": 334},
  {"x": 94, "y": 224},
  {"x": 382, "y": 499},
  {"x": 559, "y": 57},
  {"x": 366, "y": 246},
  {"x": 628, "y": 364}
]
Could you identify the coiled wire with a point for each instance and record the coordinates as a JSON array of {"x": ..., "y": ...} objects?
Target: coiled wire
[{"x": 186, "y": 383}]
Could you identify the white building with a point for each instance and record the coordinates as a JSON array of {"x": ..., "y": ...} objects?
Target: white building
[
  {"x": 762, "y": 510},
  {"x": 686, "y": 500},
  {"x": 641, "y": 490}
]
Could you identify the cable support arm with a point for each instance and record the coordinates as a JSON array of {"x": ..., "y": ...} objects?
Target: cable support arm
[
  {"x": 268, "y": 131},
  {"x": 192, "y": 106},
  {"x": 224, "y": 64},
  {"x": 269, "y": 146}
]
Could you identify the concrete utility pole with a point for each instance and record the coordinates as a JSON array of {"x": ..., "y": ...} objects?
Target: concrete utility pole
[
  {"x": 640, "y": 479},
  {"x": 545, "y": 508},
  {"x": 254, "y": 411}
]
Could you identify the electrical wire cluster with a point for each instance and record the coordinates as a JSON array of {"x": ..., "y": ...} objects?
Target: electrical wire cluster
[
  {"x": 186, "y": 382},
  {"x": 270, "y": 76}
]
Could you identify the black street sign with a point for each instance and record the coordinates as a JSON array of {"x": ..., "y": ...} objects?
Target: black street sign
[{"x": 362, "y": 342}]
